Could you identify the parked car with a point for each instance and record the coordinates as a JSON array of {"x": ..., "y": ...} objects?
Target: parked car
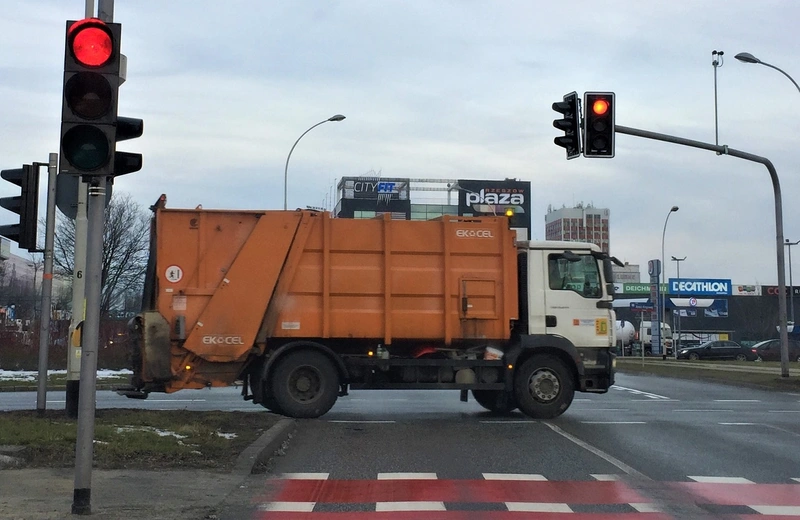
[
  {"x": 718, "y": 350},
  {"x": 770, "y": 350}
]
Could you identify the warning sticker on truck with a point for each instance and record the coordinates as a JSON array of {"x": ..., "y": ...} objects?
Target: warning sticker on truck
[
  {"x": 290, "y": 325},
  {"x": 601, "y": 327}
]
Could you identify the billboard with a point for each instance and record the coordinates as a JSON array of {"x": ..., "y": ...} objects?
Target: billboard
[
  {"x": 700, "y": 286},
  {"x": 375, "y": 188},
  {"x": 487, "y": 198}
]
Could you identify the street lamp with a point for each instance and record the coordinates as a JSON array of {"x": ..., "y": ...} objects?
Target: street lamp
[
  {"x": 791, "y": 286},
  {"x": 672, "y": 210},
  {"x": 746, "y": 57},
  {"x": 676, "y": 336},
  {"x": 337, "y": 117}
]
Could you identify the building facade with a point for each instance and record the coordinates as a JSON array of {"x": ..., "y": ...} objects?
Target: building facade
[{"x": 578, "y": 224}]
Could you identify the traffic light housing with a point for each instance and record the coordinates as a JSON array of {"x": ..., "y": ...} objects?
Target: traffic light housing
[
  {"x": 598, "y": 130},
  {"x": 26, "y": 205},
  {"x": 90, "y": 127},
  {"x": 570, "y": 124}
]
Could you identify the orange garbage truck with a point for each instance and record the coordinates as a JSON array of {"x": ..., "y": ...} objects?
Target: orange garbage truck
[{"x": 300, "y": 308}]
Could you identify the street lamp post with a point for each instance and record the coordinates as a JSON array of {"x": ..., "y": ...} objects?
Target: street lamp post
[
  {"x": 746, "y": 57},
  {"x": 337, "y": 117},
  {"x": 791, "y": 286},
  {"x": 672, "y": 210},
  {"x": 676, "y": 336}
]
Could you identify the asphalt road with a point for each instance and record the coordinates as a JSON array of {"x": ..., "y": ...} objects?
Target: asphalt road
[{"x": 686, "y": 448}]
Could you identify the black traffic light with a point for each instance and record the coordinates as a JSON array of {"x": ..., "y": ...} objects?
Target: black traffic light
[
  {"x": 90, "y": 127},
  {"x": 598, "y": 130},
  {"x": 26, "y": 205},
  {"x": 570, "y": 124}
]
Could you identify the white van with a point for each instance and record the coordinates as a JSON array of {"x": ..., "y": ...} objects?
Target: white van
[{"x": 646, "y": 337}]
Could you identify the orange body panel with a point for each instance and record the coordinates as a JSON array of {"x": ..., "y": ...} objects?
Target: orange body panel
[{"x": 239, "y": 279}]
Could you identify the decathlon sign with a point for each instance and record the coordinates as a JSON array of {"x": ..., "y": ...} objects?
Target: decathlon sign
[{"x": 700, "y": 286}]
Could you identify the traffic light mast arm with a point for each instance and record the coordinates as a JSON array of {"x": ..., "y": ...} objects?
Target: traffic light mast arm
[{"x": 776, "y": 188}]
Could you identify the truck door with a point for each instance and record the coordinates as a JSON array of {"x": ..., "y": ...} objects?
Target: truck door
[{"x": 574, "y": 289}]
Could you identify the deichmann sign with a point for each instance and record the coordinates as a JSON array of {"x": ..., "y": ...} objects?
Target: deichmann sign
[
  {"x": 699, "y": 286},
  {"x": 639, "y": 288}
]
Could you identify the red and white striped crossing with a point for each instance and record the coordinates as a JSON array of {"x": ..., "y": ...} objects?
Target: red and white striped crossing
[{"x": 505, "y": 496}]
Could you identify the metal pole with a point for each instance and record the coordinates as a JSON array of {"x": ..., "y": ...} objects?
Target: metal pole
[
  {"x": 716, "y": 61},
  {"x": 337, "y": 117},
  {"x": 776, "y": 189},
  {"x": 791, "y": 284},
  {"x": 84, "y": 449},
  {"x": 47, "y": 283},
  {"x": 78, "y": 303},
  {"x": 89, "y": 10},
  {"x": 663, "y": 283}
]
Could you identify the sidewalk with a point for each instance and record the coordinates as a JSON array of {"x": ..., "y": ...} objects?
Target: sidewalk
[{"x": 46, "y": 494}]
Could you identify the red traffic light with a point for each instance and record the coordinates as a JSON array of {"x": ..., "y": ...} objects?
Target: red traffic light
[
  {"x": 600, "y": 106},
  {"x": 91, "y": 42}
]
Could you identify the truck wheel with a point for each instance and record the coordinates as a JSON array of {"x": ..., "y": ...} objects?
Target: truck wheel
[
  {"x": 305, "y": 384},
  {"x": 544, "y": 387},
  {"x": 496, "y": 401}
]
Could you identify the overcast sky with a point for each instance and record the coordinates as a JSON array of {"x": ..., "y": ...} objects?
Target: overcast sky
[{"x": 443, "y": 89}]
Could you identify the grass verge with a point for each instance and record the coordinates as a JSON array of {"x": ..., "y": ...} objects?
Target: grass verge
[
  {"x": 137, "y": 439},
  {"x": 771, "y": 381}
]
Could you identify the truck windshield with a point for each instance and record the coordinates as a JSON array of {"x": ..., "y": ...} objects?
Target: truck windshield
[{"x": 581, "y": 276}]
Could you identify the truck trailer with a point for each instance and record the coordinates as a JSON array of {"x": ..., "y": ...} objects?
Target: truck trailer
[{"x": 300, "y": 308}]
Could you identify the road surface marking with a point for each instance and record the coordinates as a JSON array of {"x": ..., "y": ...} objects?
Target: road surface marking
[
  {"x": 288, "y": 507},
  {"x": 784, "y": 411},
  {"x": 600, "y": 453},
  {"x": 606, "y": 410},
  {"x": 646, "y": 508},
  {"x": 604, "y": 477},
  {"x": 777, "y": 510},
  {"x": 360, "y": 422},
  {"x": 721, "y": 480},
  {"x": 640, "y": 392},
  {"x": 509, "y": 421},
  {"x": 538, "y": 507},
  {"x": 176, "y": 400},
  {"x": 738, "y": 424},
  {"x": 737, "y": 401},
  {"x": 407, "y": 476},
  {"x": 513, "y": 476},
  {"x": 796, "y": 480},
  {"x": 613, "y": 422},
  {"x": 702, "y": 410},
  {"x": 304, "y": 476},
  {"x": 382, "y": 507},
  {"x": 582, "y": 399}
]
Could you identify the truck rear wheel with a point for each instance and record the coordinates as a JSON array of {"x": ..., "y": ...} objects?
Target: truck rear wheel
[
  {"x": 305, "y": 384},
  {"x": 496, "y": 401},
  {"x": 544, "y": 387}
]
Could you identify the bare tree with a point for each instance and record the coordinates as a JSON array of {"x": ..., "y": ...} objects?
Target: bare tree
[{"x": 126, "y": 240}]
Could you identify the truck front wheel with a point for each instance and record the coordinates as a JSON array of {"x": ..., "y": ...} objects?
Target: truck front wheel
[
  {"x": 496, "y": 401},
  {"x": 544, "y": 387},
  {"x": 305, "y": 384}
]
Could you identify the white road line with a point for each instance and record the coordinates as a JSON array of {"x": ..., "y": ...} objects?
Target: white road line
[
  {"x": 613, "y": 422},
  {"x": 721, "y": 480},
  {"x": 738, "y": 424},
  {"x": 513, "y": 476},
  {"x": 796, "y": 480},
  {"x": 604, "y": 477},
  {"x": 646, "y": 508},
  {"x": 653, "y": 401},
  {"x": 582, "y": 399},
  {"x": 528, "y": 421},
  {"x": 360, "y": 422},
  {"x": 606, "y": 410},
  {"x": 784, "y": 411},
  {"x": 304, "y": 476},
  {"x": 538, "y": 507},
  {"x": 407, "y": 476},
  {"x": 777, "y": 510},
  {"x": 288, "y": 507},
  {"x": 176, "y": 400},
  {"x": 600, "y": 453},
  {"x": 737, "y": 401},
  {"x": 702, "y": 410},
  {"x": 640, "y": 392},
  {"x": 382, "y": 507}
]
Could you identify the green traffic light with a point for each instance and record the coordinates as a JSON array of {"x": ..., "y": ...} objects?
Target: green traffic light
[{"x": 86, "y": 147}]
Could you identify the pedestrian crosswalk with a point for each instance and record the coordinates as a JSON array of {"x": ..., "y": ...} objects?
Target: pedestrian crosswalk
[{"x": 506, "y": 496}]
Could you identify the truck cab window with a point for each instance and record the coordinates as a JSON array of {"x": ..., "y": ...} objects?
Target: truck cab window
[{"x": 582, "y": 276}]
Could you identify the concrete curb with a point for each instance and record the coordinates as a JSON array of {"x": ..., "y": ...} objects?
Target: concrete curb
[{"x": 264, "y": 447}]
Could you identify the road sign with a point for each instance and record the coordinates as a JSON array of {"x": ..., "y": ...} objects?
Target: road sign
[
  {"x": 642, "y": 307},
  {"x": 693, "y": 302},
  {"x": 67, "y": 194}
]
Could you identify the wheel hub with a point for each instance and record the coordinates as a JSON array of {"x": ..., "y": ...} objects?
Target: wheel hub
[
  {"x": 544, "y": 385},
  {"x": 305, "y": 384}
]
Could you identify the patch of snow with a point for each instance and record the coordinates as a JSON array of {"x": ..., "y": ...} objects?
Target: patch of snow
[
  {"x": 31, "y": 375},
  {"x": 160, "y": 433},
  {"x": 228, "y": 436}
]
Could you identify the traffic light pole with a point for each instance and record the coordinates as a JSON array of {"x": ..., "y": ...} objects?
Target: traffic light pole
[
  {"x": 78, "y": 303},
  {"x": 776, "y": 188},
  {"x": 47, "y": 283},
  {"x": 84, "y": 449}
]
